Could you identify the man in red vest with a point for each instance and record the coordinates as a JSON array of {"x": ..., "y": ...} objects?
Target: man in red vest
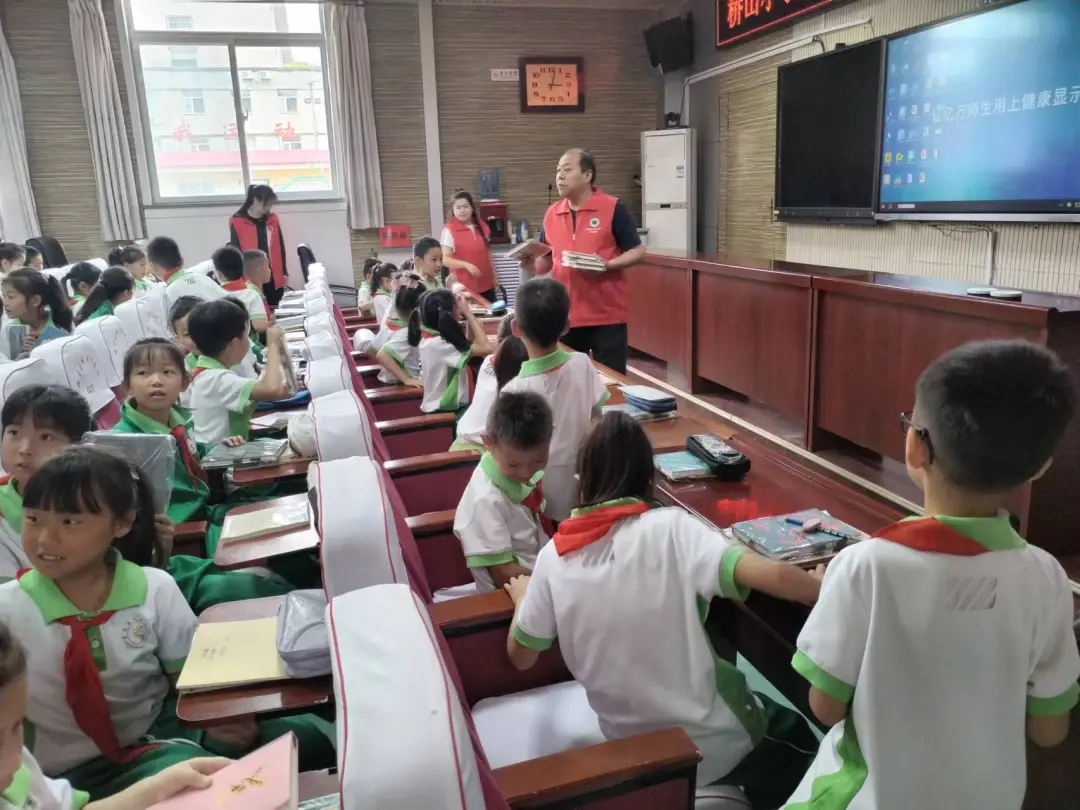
[{"x": 586, "y": 220}]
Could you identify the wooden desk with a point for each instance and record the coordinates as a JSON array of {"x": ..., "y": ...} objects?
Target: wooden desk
[
  {"x": 245, "y": 553},
  {"x": 246, "y": 476},
  {"x": 208, "y": 709}
]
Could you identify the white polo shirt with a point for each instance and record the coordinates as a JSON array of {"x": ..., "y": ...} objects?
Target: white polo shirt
[
  {"x": 146, "y": 640},
  {"x": 395, "y": 340},
  {"x": 941, "y": 658},
  {"x": 629, "y": 613},
  {"x": 472, "y": 426},
  {"x": 30, "y": 789},
  {"x": 383, "y": 303},
  {"x": 249, "y": 295},
  {"x": 574, "y": 389},
  {"x": 12, "y": 557},
  {"x": 220, "y": 402},
  {"x": 446, "y": 379},
  {"x": 492, "y": 525}
]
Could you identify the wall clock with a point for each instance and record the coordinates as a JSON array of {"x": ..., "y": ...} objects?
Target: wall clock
[{"x": 552, "y": 84}]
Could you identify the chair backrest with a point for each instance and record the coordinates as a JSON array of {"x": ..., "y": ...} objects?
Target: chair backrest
[
  {"x": 404, "y": 737},
  {"x": 78, "y": 365},
  {"x": 327, "y": 376},
  {"x": 110, "y": 337},
  {"x": 147, "y": 316},
  {"x": 359, "y": 544},
  {"x": 307, "y": 257},
  {"x": 21, "y": 373},
  {"x": 322, "y": 322},
  {"x": 51, "y": 250},
  {"x": 321, "y": 345},
  {"x": 342, "y": 429}
]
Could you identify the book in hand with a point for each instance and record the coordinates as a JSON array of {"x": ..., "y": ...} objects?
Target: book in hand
[
  {"x": 265, "y": 522},
  {"x": 228, "y": 654},
  {"x": 682, "y": 466},
  {"x": 583, "y": 261},
  {"x": 529, "y": 249},
  {"x": 638, "y": 414},
  {"x": 782, "y": 537},
  {"x": 256, "y": 453},
  {"x": 266, "y": 779}
]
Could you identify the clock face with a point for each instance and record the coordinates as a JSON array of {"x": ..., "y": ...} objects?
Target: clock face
[{"x": 552, "y": 85}]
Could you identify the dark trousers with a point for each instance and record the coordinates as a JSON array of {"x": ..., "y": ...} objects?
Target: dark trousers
[
  {"x": 607, "y": 344},
  {"x": 273, "y": 294},
  {"x": 489, "y": 296}
]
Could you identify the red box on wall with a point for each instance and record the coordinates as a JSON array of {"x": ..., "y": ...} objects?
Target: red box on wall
[
  {"x": 496, "y": 215},
  {"x": 395, "y": 236}
]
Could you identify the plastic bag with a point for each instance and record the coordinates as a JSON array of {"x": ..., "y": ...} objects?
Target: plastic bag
[
  {"x": 302, "y": 639},
  {"x": 153, "y": 453}
]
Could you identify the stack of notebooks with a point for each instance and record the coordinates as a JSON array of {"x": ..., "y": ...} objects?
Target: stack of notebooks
[
  {"x": 529, "y": 249},
  {"x": 230, "y": 654},
  {"x": 805, "y": 537},
  {"x": 583, "y": 261},
  {"x": 637, "y": 414},
  {"x": 289, "y": 515},
  {"x": 649, "y": 399},
  {"x": 256, "y": 453}
]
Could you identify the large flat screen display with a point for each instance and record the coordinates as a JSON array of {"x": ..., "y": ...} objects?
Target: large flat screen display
[{"x": 982, "y": 116}]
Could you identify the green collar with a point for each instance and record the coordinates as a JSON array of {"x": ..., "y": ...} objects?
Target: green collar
[
  {"x": 992, "y": 533},
  {"x": 514, "y": 492},
  {"x": 381, "y": 291},
  {"x": 429, "y": 332},
  {"x": 584, "y": 510},
  {"x": 430, "y": 283},
  {"x": 209, "y": 363},
  {"x": 11, "y": 505},
  {"x": 174, "y": 275},
  {"x": 400, "y": 324},
  {"x": 541, "y": 365},
  {"x": 79, "y": 298},
  {"x": 128, "y": 591},
  {"x": 17, "y": 794},
  {"x": 178, "y": 417}
]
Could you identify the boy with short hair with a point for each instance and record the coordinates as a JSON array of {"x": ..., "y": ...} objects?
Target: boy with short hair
[
  {"x": 567, "y": 380},
  {"x": 223, "y": 401},
  {"x": 427, "y": 258},
  {"x": 178, "y": 322},
  {"x": 257, "y": 271},
  {"x": 166, "y": 262},
  {"x": 500, "y": 520},
  {"x": 229, "y": 268},
  {"x": 948, "y": 633}
]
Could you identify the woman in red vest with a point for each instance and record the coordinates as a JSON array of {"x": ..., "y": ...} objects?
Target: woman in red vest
[
  {"x": 586, "y": 220},
  {"x": 466, "y": 243},
  {"x": 256, "y": 227}
]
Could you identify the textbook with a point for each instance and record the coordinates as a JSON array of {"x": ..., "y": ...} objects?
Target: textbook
[
  {"x": 797, "y": 537},
  {"x": 226, "y": 654},
  {"x": 265, "y": 522},
  {"x": 583, "y": 261},
  {"x": 266, "y": 779},
  {"x": 639, "y": 414},
  {"x": 530, "y": 248},
  {"x": 682, "y": 466},
  {"x": 256, "y": 453}
]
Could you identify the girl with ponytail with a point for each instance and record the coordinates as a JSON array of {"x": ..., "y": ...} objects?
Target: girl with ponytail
[
  {"x": 81, "y": 278},
  {"x": 114, "y": 287},
  {"x": 445, "y": 349},
  {"x": 38, "y": 309}
]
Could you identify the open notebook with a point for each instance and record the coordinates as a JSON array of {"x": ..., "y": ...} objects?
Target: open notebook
[{"x": 227, "y": 654}]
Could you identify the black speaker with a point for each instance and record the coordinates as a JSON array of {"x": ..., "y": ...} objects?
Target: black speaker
[{"x": 671, "y": 43}]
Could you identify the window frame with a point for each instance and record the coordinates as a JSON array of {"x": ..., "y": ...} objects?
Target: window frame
[{"x": 232, "y": 41}]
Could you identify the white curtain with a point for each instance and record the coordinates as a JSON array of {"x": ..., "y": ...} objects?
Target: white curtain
[
  {"x": 354, "y": 114},
  {"x": 118, "y": 201},
  {"x": 18, "y": 214}
]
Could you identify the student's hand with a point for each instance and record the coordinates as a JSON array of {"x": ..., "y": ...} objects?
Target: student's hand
[
  {"x": 275, "y": 334},
  {"x": 240, "y": 734},
  {"x": 234, "y": 441},
  {"x": 516, "y": 588},
  {"x": 472, "y": 269},
  {"x": 818, "y": 573},
  {"x": 412, "y": 382},
  {"x": 191, "y": 775},
  {"x": 165, "y": 530}
]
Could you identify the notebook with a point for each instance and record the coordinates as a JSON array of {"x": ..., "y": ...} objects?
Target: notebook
[
  {"x": 779, "y": 539},
  {"x": 265, "y": 522},
  {"x": 225, "y": 654},
  {"x": 256, "y": 453},
  {"x": 583, "y": 261},
  {"x": 682, "y": 466},
  {"x": 637, "y": 414},
  {"x": 263, "y": 780},
  {"x": 272, "y": 421},
  {"x": 530, "y": 248}
]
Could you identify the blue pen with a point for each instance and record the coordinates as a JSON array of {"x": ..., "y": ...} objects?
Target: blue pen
[{"x": 794, "y": 521}]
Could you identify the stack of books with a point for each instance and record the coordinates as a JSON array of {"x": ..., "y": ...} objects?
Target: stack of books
[
  {"x": 803, "y": 537},
  {"x": 583, "y": 261},
  {"x": 649, "y": 399},
  {"x": 256, "y": 453},
  {"x": 529, "y": 249},
  {"x": 637, "y": 414}
]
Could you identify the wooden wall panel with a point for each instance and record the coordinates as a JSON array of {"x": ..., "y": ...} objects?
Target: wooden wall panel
[{"x": 481, "y": 123}]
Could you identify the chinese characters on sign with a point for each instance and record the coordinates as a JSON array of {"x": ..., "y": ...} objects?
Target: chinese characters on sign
[
  {"x": 738, "y": 19},
  {"x": 395, "y": 236},
  {"x": 1028, "y": 101}
]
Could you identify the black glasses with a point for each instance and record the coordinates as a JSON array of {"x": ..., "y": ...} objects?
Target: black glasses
[{"x": 924, "y": 435}]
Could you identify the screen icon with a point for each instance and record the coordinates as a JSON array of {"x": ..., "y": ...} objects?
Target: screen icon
[
  {"x": 926, "y": 108},
  {"x": 910, "y": 178},
  {"x": 937, "y": 154},
  {"x": 903, "y": 89},
  {"x": 900, "y": 135},
  {"x": 888, "y": 158},
  {"x": 922, "y": 155},
  {"x": 922, "y": 177},
  {"x": 911, "y": 155},
  {"x": 926, "y": 132},
  {"x": 903, "y": 113},
  {"x": 898, "y": 180},
  {"x": 887, "y": 179},
  {"x": 914, "y": 109},
  {"x": 899, "y": 157}
]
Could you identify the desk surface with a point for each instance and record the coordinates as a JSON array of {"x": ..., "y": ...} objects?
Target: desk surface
[{"x": 242, "y": 553}]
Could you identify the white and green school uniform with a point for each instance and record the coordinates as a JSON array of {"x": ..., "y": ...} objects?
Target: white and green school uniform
[
  {"x": 382, "y": 302},
  {"x": 628, "y": 606},
  {"x": 472, "y": 426},
  {"x": 251, "y": 297},
  {"x": 144, "y": 286},
  {"x": 943, "y": 634},
  {"x": 221, "y": 404},
  {"x": 395, "y": 341},
  {"x": 12, "y": 557},
  {"x": 500, "y": 521},
  {"x": 574, "y": 389},
  {"x": 445, "y": 373},
  {"x": 30, "y": 789}
]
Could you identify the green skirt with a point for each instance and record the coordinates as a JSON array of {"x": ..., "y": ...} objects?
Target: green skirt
[{"x": 205, "y": 585}]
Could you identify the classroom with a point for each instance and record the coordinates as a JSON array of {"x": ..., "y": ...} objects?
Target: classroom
[{"x": 539, "y": 404}]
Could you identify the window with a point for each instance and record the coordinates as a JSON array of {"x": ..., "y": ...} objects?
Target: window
[
  {"x": 205, "y": 139},
  {"x": 194, "y": 102}
]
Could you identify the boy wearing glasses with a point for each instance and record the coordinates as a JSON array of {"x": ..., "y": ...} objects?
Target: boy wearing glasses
[{"x": 948, "y": 634}]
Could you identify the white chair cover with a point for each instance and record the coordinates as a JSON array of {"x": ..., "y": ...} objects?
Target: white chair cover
[
  {"x": 342, "y": 428},
  {"x": 360, "y": 544},
  {"x": 316, "y": 306},
  {"x": 321, "y": 345},
  {"x": 147, "y": 316},
  {"x": 77, "y": 364},
  {"x": 301, "y": 433},
  {"x": 327, "y": 376},
  {"x": 316, "y": 270},
  {"x": 401, "y": 743},
  {"x": 21, "y": 373},
  {"x": 110, "y": 337},
  {"x": 315, "y": 324}
]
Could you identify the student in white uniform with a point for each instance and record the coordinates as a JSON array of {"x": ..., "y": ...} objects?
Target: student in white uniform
[
  {"x": 23, "y": 786},
  {"x": 945, "y": 636},
  {"x": 382, "y": 291},
  {"x": 223, "y": 401},
  {"x": 445, "y": 349},
  {"x": 364, "y": 291},
  {"x": 572, "y": 386},
  {"x": 500, "y": 520},
  {"x": 133, "y": 259},
  {"x": 626, "y": 590},
  {"x": 229, "y": 271},
  {"x": 399, "y": 359},
  {"x": 495, "y": 372}
]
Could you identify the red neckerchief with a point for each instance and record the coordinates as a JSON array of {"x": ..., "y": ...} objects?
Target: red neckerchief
[
  {"x": 191, "y": 464},
  {"x": 928, "y": 534},
  {"x": 235, "y": 286},
  {"x": 393, "y": 324},
  {"x": 197, "y": 371},
  {"x": 577, "y": 532},
  {"x": 83, "y": 690},
  {"x": 170, "y": 273},
  {"x": 535, "y": 504}
]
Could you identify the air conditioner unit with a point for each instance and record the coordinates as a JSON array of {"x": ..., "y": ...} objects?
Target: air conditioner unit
[
  {"x": 247, "y": 75},
  {"x": 264, "y": 75}
]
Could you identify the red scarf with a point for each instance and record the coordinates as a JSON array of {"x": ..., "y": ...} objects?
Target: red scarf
[
  {"x": 198, "y": 370},
  {"x": 928, "y": 534},
  {"x": 577, "y": 532},
  {"x": 235, "y": 286},
  {"x": 191, "y": 464},
  {"x": 83, "y": 690},
  {"x": 535, "y": 504}
]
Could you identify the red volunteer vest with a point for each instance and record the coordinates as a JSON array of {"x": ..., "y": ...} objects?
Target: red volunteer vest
[
  {"x": 248, "y": 234},
  {"x": 469, "y": 246},
  {"x": 596, "y": 299}
]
